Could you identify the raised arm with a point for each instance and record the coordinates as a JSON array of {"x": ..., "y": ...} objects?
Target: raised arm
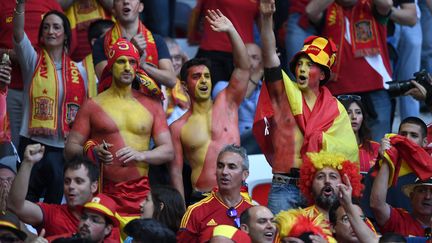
[
  {"x": 270, "y": 57},
  {"x": 28, "y": 212},
  {"x": 236, "y": 89},
  {"x": 363, "y": 232},
  {"x": 383, "y": 6},
  {"x": 315, "y": 10},
  {"x": 378, "y": 196},
  {"x": 18, "y": 21},
  {"x": 175, "y": 167}
]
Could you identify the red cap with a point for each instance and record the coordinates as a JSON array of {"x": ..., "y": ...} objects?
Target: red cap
[{"x": 105, "y": 205}]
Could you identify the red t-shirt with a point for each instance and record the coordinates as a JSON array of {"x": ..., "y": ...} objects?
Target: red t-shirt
[
  {"x": 367, "y": 158},
  {"x": 57, "y": 219},
  {"x": 209, "y": 212},
  {"x": 242, "y": 14},
  {"x": 403, "y": 223},
  {"x": 34, "y": 10}
]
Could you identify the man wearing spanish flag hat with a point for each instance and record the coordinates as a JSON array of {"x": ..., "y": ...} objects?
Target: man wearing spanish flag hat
[
  {"x": 98, "y": 222},
  {"x": 115, "y": 129},
  {"x": 294, "y": 118}
]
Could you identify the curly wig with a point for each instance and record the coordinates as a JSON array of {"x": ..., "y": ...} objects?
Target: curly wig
[
  {"x": 317, "y": 161},
  {"x": 295, "y": 222}
]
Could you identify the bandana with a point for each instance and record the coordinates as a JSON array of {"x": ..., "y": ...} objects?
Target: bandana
[{"x": 125, "y": 48}]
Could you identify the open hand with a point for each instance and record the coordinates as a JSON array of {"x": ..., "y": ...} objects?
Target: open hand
[{"x": 218, "y": 21}]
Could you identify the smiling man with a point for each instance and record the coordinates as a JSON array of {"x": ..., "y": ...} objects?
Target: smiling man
[
  {"x": 80, "y": 182},
  {"x": 222, "y": 206},
  {"x": 258, "y": 223},
  {"x": 294, "y": 118},
  {"x": 115, "y": 129},
  {"x": 208, "y": 126}
]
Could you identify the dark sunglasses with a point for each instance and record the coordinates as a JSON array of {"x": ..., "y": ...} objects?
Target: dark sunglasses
[
  {"x": 232, "y": 213},
  {"x": 349, "y": 97}
]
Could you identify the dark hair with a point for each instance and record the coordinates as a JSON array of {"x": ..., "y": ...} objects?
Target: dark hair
[
  {"x": 66, "y": 27},
  {"x": 96, "y": 29},
  {"x": 149, "y": 231},
  {"x": 193, "y": 62},
  {"x": 364, "y": 132},
  {"x": 76, "y": 162},
  {"x": 392, "y": 237},
  {"x": 335, "y": 207},
  {"x": 173, "y": 209},
  {"x": 416, "y": 121},
  {"x": 245, "y": 216}
]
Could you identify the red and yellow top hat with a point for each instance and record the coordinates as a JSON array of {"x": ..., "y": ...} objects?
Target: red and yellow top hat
[{"x": 321, "y": 51}]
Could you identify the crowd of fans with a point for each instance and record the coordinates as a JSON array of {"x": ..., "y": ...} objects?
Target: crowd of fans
[{"x": 109, "y": 132}]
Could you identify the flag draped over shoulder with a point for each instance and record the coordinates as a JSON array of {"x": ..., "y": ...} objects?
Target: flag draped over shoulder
[
  {"x": 327, "y": 127},
  {"x": 405, "y": 157}
]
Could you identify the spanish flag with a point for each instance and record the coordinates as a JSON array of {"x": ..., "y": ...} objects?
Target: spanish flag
[
  {"x": 405, "y": 157},
  {"x": 326, "y": 127}
]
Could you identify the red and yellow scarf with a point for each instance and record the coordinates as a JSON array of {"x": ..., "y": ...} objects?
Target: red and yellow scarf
[
  {"x": 177, "y": 96},
  {"x": 363, "y": 29},
  {"x": 44, "y": 95},
  {"x": 91, "y": 75},
  {"x": 80, "y": 13},
  {"x": 151, "y": 50}
]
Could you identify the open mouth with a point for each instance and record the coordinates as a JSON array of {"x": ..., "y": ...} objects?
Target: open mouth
[
  {"x": 269, "y": 235},
  {"x": 126, "y": 10},
  {"x": 327, "y": 191},
  {"x": 203, "y": 88}
]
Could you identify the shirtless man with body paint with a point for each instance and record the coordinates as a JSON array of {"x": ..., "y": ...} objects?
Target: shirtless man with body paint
[
  {"x": 117, "y": 125},
  {"x": 209, "y": 125}
]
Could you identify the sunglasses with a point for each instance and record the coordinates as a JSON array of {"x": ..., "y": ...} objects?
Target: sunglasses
[
  {"x": 232, "y": 213},
  {"x": 349, "y": 97}
]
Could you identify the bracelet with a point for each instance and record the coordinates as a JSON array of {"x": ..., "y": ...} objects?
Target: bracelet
[
  {"x": 18, "y": 13},
  {"x": 254, "y": 82}
]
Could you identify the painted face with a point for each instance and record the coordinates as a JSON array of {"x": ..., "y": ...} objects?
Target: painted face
[
  {"x": 124, "y": 69},
  {"x": 413, "y": 133},
  {"x": 261, "y": 226},
  {"x": 308, "y": 74},
  {"x": 229, "y": 171},
  {"x": 324, "y": 187},
  {"x": 127, "y": 11},
  {"x": 356, "y": 116},
  {"x": 199, "y": 82},
  {"x": 421, "y": 200},
  {"x": 53, "y": 33},
  {"x": 342, "y": 229},
  {"x": 78, "y": 189},
  {"x": 147, "y": 207},
  {"x": 93, "y": 226}
]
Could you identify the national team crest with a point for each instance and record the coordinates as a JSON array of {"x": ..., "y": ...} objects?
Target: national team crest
[
  {"x": 363, "y": 31},
  {"x": 44, "y": 108},
  {"x": 72, "y": 110}
]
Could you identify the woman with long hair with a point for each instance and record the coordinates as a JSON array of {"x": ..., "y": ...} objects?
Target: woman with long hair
[
  {"x": 54, "y": 89},
  {"x": 164, "y": 204},
  {"x": 368, "y": 149}
]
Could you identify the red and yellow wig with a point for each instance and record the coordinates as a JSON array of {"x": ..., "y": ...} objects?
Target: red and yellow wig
[{"x": 317, "y": 161}]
